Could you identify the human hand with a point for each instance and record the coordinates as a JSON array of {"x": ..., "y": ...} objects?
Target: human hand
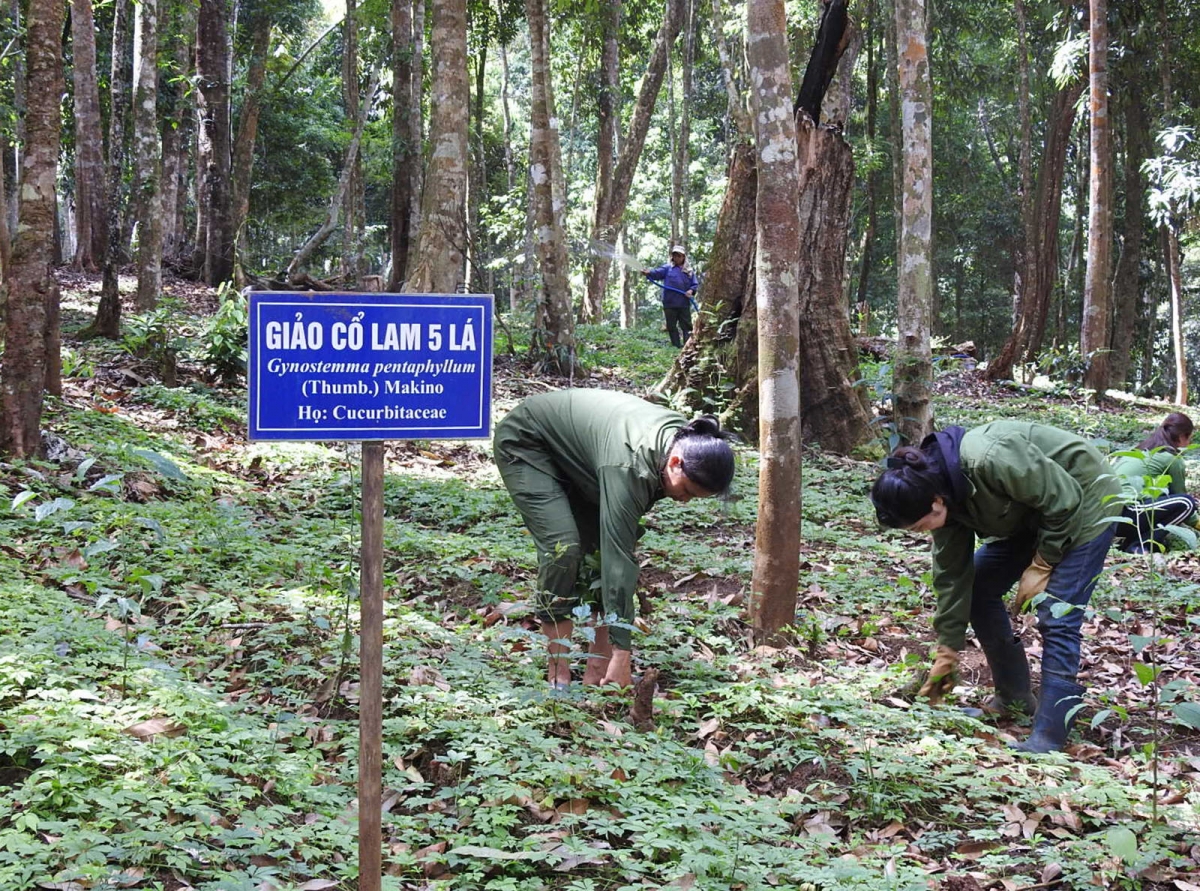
[
  {"x": 619, "y": 672},
  {"x": 941, "y": 676},
  {"x": 1033, "y": 582}
]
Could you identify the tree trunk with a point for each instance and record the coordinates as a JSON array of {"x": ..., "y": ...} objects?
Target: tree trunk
[
  {"x": 147, "y": 160},
  {"x": 913, "y": 368},
  {"x": 406, "y": 138},
  {"x": 5, "y": 237},
  {"x": 680, "y": 156},
  {"x": 1128, "y": 274},
  {"x": 631, "y": 151},
  {"x": 353, "y": 213},
  {"x": 709, "y": 359},
  {"x": 213, "y": 259},
  {"x": 91, "y": 217},
  {"x": 108, "y": 312},
  {"x": 1176, "y": 279},
  {"x": 607, "y": 119},
  {"x": 777, "y": 534},
  {"x": 834, "y": 410},
  {"x": 247, "y": 134},
  {"x": 554, "y": 324},
  {"x": 867, "y": 245},
  {"x": 31, "y": 336},
  {"x": 442, "y": 244},
  {"x": 1095, "y": 334},
  {"x": 338, "y": 201},
  {"x": 477, "y": 185}
]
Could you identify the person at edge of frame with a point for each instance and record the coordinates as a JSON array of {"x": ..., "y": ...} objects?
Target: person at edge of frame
[
  {"x": 1158, "y": 456},
  {"x": 1044, "y": 500},
  {"x": 583, "y": 466},
  {"x": 678, "y": 288}
]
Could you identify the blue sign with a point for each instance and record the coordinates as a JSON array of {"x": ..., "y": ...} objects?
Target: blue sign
[{"x": 329, "y": 366}]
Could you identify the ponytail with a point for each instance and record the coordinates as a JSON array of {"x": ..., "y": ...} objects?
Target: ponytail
[{"x": 1175, "y": 428}]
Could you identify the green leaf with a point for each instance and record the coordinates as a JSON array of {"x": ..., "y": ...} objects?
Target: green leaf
[
  {"x": 100, "y": 547},
  {"x": 1187, "y": 534},
  {"x": 1145, "y": 673},
  {"x": 1139, "y": 642},
  {"x": 1187, "y": 713},
  {"x": 53, "y": 507},
  {"x": 22, "y": 498},
  {"x": 163, "y": 465},
  {"x": 84, "y": 466},
  {"x": 110, "y": 483},
  {"x": 1060, "y": 609},
  {"x": 1122, "y": 842}
]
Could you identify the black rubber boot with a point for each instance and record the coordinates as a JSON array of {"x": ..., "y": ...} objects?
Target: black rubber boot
[
  {"x": 1055, "y": 715},
  {"x": 1010, "y": 676}
]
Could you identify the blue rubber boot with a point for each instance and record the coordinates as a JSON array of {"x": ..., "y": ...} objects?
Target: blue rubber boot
[
  {"x": 1010, "y": 677},
  {"x": 1060, "y": 699}
]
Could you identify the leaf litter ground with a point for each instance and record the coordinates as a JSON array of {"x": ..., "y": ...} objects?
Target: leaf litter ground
[{"x": 179, "y": 694}]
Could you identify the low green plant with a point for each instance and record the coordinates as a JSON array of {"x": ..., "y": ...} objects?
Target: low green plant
[
  {"x": 159, "y": 336},
  {"x": 223, "y": 342}
]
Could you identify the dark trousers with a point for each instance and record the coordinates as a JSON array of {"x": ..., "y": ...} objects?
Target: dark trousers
[
  {"x": 1147, "y": 519},
  {"x": 999, "y": 565},
  {"x": 564, "y": 527},
  {"x": 679, "y": 323}
]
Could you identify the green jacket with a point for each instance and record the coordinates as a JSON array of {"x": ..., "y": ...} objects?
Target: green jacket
[
  {"x": 1134, "y": 471},
  {"x": 609, "y": 448},
  {"x": 1021, "y": 478}
]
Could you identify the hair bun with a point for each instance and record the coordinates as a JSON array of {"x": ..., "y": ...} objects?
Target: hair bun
[{"x": 907, "y": 456}]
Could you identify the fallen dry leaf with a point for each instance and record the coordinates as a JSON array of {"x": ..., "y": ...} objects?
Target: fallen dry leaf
[{"x": 154, "y": 727}]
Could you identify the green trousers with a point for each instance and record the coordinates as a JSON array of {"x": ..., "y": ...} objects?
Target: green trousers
[{"x": 564, "y": 527}]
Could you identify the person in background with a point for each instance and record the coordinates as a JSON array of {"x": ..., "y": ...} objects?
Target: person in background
[
  {"x": 1158, "y": 455},
  {"x": 583, "y": 466},
  {"x": 1041, "y": 497},
  {"x": 678, "y": 288}
]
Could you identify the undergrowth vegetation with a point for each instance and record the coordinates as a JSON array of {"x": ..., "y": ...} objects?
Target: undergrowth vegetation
[{"x": 178, "y": 677}]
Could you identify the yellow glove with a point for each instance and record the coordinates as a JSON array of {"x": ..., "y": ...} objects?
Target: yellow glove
[
  {"x": 941, "y": 676},
  {"x": 1033, "y": 582}
]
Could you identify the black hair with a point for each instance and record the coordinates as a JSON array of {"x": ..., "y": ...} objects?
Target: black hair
[
  {"x": 1175, "y": 428},
  {"x": 706, "y": 455},
  {"x": 905, "y": 491}
]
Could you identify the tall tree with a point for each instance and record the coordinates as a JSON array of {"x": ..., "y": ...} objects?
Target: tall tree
[
  {"x": 554, "y": 323},
  {"x": 1094, "y": 336},
  {"x": 31, "y": 330},
  {"x": 91, "y": 217},
  {"x": 913, "y": 367},
  {"x": 406, "y": 133},
  {"x": 147, "y": 160},
  {"x": 260, "y": 26},
  {"x": 834, "y": 411},
  {"x": 354, "y": 212},
  {"x": 777, "y": 224},
  {"x": 442, "y": 243},
  {"x": 680, "y": 156},
  {"x": 1041, "y": 248},
  {"x": 213, "y": 257},
  {"x": 610, "y": 208},
  {"x": 108, "y": 312},
  {"x": 1126, "y": 279},
  {"x": 337, "y": 204},
  {"x": 607, "y": 112}
]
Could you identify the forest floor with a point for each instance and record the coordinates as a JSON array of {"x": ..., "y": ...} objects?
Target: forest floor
[{"x": 178, "y": 670}]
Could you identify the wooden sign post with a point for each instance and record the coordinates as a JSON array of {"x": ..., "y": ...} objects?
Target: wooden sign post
[{"x": 370, "y": 367}]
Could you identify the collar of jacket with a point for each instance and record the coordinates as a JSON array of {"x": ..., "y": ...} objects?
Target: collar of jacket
[{"x": 942, "y": 448}]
